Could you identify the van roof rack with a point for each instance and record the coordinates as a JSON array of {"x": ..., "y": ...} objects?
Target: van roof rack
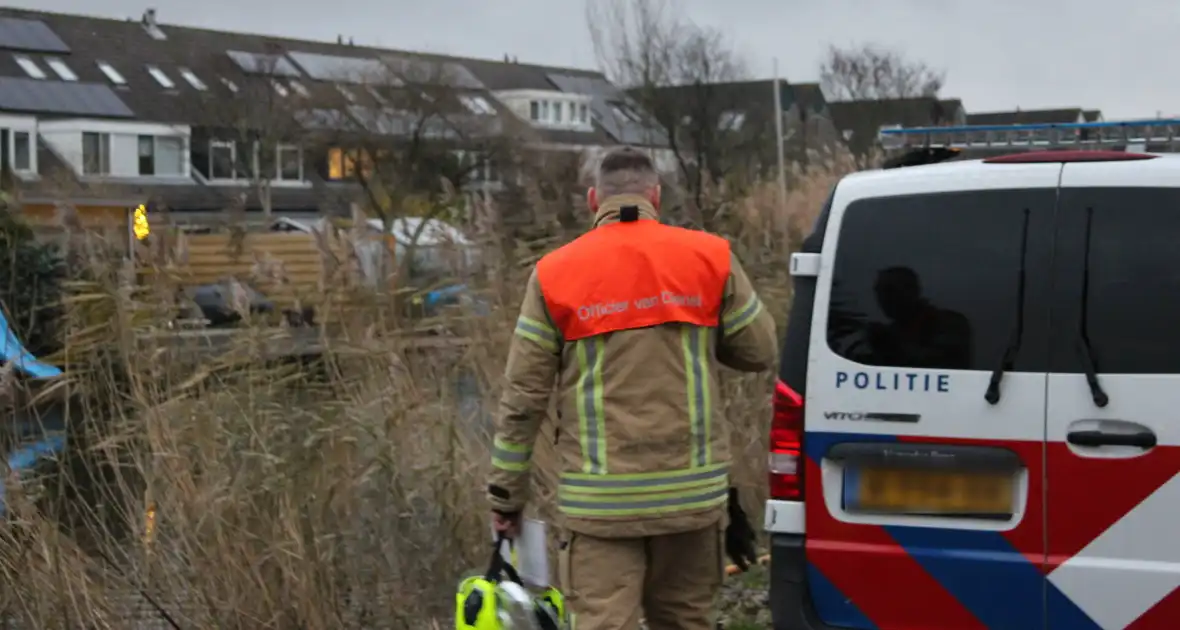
[
  {"x": 1131, "y": 135},
  {"x": 919, "y": 157}
]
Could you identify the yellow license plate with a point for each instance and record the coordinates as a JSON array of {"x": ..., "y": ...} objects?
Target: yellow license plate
[{"x": 922, "y": 491}]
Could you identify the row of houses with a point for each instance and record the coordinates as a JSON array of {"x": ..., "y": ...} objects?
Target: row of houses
[{"x": 106, "y": 114}]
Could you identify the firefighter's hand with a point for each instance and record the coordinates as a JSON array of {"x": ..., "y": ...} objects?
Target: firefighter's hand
[
  {"x": 506, "y": 524},
  {"x": 739, "y": 536}
]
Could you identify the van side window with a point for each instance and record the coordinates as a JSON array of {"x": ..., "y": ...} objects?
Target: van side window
[
  {"x": 1132, "y": 316},
  {"x": 932, "y": 281}
]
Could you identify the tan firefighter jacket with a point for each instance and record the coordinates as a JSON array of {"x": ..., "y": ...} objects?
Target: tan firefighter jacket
[{"x": 642, "y": 441}]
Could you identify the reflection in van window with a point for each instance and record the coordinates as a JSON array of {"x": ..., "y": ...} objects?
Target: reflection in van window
[
  {"x": 931, "y": 281},
  {"x": 1133, "y": 302}
]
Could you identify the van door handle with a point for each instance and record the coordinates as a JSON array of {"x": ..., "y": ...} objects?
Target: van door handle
[{"x": 1140, "y": 439}]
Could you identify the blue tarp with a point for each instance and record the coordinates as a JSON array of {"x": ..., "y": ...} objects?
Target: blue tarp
[{"x": 14, "y": 352}]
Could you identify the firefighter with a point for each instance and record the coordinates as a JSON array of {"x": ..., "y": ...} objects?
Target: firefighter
[{"x": 632, "y": 321}]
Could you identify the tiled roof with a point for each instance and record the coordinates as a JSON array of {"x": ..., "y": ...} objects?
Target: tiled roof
[{"x": 1026, "y": 117}]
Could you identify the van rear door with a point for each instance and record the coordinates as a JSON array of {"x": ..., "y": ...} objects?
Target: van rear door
[
  {"x": 924, "y": 419},
  {"x": 1113, "y": 503}
]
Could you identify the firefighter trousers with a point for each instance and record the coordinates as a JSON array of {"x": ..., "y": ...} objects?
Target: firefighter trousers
[{"x": 670, "y": 581}]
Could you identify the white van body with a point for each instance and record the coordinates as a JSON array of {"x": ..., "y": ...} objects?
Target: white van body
[{"x": 957, "y": 467}]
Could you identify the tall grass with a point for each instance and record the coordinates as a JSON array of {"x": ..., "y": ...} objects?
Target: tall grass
[{"x": 342, "y": 490}]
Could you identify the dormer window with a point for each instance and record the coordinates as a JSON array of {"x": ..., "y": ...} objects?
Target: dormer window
[
  {"x": 559, "y": 112},
  {"x": 163, "y": 79}
]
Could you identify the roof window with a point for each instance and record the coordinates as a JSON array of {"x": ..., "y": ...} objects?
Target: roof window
[
  {"x": 62, "y": 70},
  {"x": 111, "y": 73},
  {"x": 29, "y": 66},
  {"x": 161, "y": 78},
  {"x": 193, "y": 79}
]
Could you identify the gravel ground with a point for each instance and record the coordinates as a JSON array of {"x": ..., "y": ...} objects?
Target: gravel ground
[{"x": 745, "y": 602}]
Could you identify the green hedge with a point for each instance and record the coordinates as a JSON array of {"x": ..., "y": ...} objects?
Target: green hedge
[{"x": 31, "y": 279}]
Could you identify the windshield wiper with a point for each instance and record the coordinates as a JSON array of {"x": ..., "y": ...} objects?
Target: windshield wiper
[
  {"x": 992, "y": 395},
  {"x": 1083, "y": 339}
]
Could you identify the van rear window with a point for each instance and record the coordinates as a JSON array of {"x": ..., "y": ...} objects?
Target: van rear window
[
  {"x": 1122, "y": 290},
  {"x": 933, "y": 281}
]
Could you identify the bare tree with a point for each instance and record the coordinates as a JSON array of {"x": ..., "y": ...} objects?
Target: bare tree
[
  {"x": 672, "y": 68},
  {"x": 871, "y": 72}
]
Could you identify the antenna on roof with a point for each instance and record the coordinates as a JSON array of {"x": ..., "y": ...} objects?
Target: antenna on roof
[{"x": 149, "y": 24}]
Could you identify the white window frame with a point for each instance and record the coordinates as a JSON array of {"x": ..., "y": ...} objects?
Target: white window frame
[
  {"x": 61, "y": 69},
  {"x": 156, "y": 154},
  {"x": 31, "y": 167},
  {"x": 111, "y": 73},
  {"x": 104, "y": 154},
  {"x": 346, "y": 93},
  {"x": 280, "y": 89},
  {"x": 731, "y": 120},
  {"x": 233, "y": 159},
  {"x": 161, "y": 77},
  {"x": 230, "y": 85},
  {"x": 476, "y": 104},
  {"x": 192, "y": 79},
  {"x": 299, "y": 88},
  {"x": 279, "y": 150},
  {"x": 30, "y": 67}
]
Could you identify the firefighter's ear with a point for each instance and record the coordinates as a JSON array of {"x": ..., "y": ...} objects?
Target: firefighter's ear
[
  {"x": 655, "y": 197},
  {"x": 592, "y": 199}
]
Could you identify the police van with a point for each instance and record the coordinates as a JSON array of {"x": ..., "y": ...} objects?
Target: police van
[{"x": 977, "y": 422}]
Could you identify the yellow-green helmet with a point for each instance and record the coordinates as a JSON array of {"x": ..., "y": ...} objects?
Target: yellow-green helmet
[{"x": 486, "y": 602}]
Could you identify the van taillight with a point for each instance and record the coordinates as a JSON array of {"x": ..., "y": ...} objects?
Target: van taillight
[{"x": 786, "y": 438}]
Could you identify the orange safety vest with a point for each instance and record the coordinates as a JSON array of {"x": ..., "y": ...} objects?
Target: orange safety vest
[{"x": 626, "y": 275}]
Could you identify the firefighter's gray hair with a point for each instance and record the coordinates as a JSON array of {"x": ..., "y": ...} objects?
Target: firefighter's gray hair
[{"x": 625, "y": 171}]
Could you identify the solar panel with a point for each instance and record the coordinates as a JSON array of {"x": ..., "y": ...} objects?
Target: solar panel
[
  {"x": 341, "y": 69},
  {"x": 258, "y": 63},
  {"x": 603, "y": 94},
  {"x": 29, "y": 35},
  {"x": 52, "y": 97},
  {"x": 433, "y": 72}
]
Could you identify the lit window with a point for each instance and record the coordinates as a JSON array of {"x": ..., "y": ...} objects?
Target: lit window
[
  {"x": 279, "y": 87},
  {"x": 299, "y": 89},
  {"x": 61, "y": 69},
  {"x": 230, "y": 85},
  {"x": 193, "y": 79},
  {"x": 29, "y": 66},
  {"x": 161, "y": 78},
  {"x": 111, "y": 73},
  {"x": 346, "y": 93}
]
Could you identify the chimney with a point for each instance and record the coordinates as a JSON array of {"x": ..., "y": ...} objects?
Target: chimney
[
  {"x": 149, "y": 24},
  {"x": 340, "y": 39},
  {"x": 149, "y": 18},
  {"x": 506, "y": 60},
  {"x": 350, "y": 41}
]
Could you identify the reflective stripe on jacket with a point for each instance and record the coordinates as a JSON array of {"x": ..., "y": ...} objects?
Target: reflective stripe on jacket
[{"x": 633, "y": 320}]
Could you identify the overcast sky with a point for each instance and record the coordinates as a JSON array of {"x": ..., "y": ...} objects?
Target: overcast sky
[{"x": 998, "y": 54}]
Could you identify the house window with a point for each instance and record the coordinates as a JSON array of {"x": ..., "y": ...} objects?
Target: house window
[
  {"x": 22, "y": 151},
  {"x": 300, "y": 89},
  {"x": 62, "y": 70},
  {"x": 163, "y": 79},
  {"x": 624, "y": 113},
  {"x": 29, "y": 66},
  {"x": 280, "y": 88},
  {"x": 731, "y": 121},
  {"x": 222, "y": 155},
  {"x": 96, "y": 153},
  {"x": 147, "y": 155},
  {"x": 346, "y": 93},
  {"x": 376, "y": 95},
  {"x": 583, "y": 114},
  {"x": 111, "y": 73},
  {"x": 229, "y": 85},
  {"x": 290, "y": 163},
  {"x": 193, "y": 79},
  {"x": 170, "y": 155},
  {"x": 558, "y": 108},
  {"x": 544, "y": 111},
  {"x": 534, "y": 110}
]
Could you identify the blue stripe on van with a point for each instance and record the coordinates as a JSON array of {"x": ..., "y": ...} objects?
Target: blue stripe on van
[
  {"x": 990, "y": 578},
  {"x": 832, "y": 605}
]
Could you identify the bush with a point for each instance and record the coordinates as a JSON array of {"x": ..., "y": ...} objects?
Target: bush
[{"x": 31, "y": 276}]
